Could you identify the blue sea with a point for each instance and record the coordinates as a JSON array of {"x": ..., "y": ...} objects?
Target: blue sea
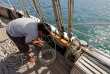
[{"x": 85, "y": 11}]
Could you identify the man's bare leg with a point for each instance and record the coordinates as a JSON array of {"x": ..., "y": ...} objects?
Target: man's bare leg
[{"x": 29, "y": 58}]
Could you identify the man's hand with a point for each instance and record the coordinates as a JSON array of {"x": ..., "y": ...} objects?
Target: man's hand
[
  {"x": 37, "y": 42},
  {"x": 34, "y": 42}
]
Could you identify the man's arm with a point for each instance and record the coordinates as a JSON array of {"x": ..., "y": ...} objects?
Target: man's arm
[{"x": 33, "y": 42}]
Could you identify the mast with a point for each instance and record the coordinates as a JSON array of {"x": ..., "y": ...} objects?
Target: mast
[{"x": 70, "y": 17}]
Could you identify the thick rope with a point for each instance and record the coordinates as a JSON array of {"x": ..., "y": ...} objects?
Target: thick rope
[
  {"x": 11, "y": 58},
  {"x": 53, "y": 52},
  {"x": 45, "y": 61}
]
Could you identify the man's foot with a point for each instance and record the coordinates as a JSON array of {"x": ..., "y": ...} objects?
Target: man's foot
[{"x": 30, "y": 58}]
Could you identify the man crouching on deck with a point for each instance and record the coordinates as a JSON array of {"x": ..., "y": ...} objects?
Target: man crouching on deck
[{"x": 24, "y": 31}]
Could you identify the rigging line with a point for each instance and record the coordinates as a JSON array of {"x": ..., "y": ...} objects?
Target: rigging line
[
  {"x": 34, "y": 1},
  {"x": 88, "y": 35},
  {"x": 22, "y": 7},
  {"x": 26, "y": 8},
  {"x": 9, "y": 3},
  {"x": 48, "y": 18},
  {"x": 46, "y": 6},
  {"x": 91, "y": 36},
  {"x": 53, "y": 52},
  {"x": 3, "y": 2},
  {"x": 43, "y": 12},
  {"x": 60, "y": 12},
  {"x": 33, "y": 8},
  {"x": 94, "y": 24},
  {"x": 43, "y": 18},
  {"x": 54, "y": 2}
]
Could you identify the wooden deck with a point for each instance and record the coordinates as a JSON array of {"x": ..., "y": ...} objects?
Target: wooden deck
[{"x": 58, "y": 67}]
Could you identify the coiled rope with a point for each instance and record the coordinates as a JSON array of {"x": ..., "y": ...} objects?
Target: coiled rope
[
  {"x": 45, "y": 61},
  {"x": 71, "y": 55},
  {"x": 42, "y": 52},
  {"x": 12, "y": 58}
]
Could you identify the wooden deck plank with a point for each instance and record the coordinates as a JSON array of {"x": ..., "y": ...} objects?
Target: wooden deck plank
[
  {"x": 53, "y": 70},
  {"x": 95, "y": 61},
  {"x": 75, "y": 71},
  {"x": 79, "y": 70},
  {"x": 94, "y": 65},
  {"x": 90, "y": 67},
  {"x": 84, "y": 68}
]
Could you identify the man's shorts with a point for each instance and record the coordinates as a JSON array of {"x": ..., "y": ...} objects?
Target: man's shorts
[{"x": 20, "y": 43}]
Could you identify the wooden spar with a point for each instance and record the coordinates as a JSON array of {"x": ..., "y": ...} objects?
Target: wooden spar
[
  {"x": 57, "y": 13},
  {"x": 70, "y": 17},
  {"x": 27, "y": 12},
  {"x": 22, "y": 7}
]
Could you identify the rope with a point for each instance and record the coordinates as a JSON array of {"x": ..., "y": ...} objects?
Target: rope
[
  {"x": 25, "y": 14},
  {"x": 37, "y": 11},
  {"x": 39, "y": 14},
  {"x": 46, "y": 6},
  {"x": 71, "y": 53},
  {"x": 41, "y": 11},
  {"x": 45, "y": 61},
  {"x": 9, "y": 3},
  {"x": 26, "y": 9},
  {"x": 91, "y": 36},
  {"x": 12, "y": 59},
  {"x": 58, "y": 15},
  {"x": 94, "y": 24},
  {"x": 3, "y": 2},
  {"x": 53, "y": 52},
  {"x": 34, "y": 9}
]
